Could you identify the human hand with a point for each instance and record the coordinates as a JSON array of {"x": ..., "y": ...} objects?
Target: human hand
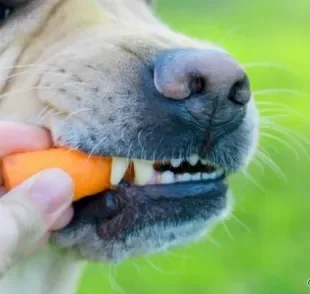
[{"x": 38, "y": 206}]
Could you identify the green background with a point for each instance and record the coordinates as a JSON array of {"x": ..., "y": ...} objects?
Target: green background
[{"x": 265, "y": 246}]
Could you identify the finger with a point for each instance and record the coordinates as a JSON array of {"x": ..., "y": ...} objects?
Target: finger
[
  {"x": 40, "y": 243},
  {"x": 29, "y": 211},
  {"x": 16, "y": 137},
  {"x": 2, "y": 191},
  {"x": 63, "y": 220}
]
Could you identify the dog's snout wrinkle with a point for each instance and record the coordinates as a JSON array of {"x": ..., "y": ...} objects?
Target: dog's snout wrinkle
[{"x": 182, "y": 73}]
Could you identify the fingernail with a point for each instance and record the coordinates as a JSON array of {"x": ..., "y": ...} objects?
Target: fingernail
[{"x": 51, "y": 190}]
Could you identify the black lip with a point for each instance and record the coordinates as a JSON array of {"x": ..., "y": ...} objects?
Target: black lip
[
  {"x": 111, "y": 203},
  {"x": 207, "y": 188}
]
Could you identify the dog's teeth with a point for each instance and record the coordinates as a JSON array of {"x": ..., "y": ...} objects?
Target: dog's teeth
[
  {"x": 119, "y": 168},
  {"x": 196, "y": 177},
  {"x": 213, "y": 175},
  {"x": 143, "y": 171},
  {"x": 167, "y": 177},
  {"x": 176, "y": 162},
  {"x": 206, "y": 176},
  {"x": 187, "y": 177},
  {"x": 193, "y": 160},
  {"x": 183, "y": 178},
  {"x": 203, "y": 161}
]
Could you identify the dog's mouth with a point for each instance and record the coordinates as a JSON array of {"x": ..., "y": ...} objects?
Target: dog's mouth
[
  {"x": 148, "y": 192},
  {"x": 145, "y": 173}
]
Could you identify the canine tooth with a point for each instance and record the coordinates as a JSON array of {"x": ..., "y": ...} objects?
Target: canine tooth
[
  {"x": 196, "y": 177},
  {"x": 193, "y": 160},
  {"x": 176, "y": 162},
  {"x": 167, "y": 177},
  {"x": 143, "y": 171},
  {"x": 119, "y": 168}
]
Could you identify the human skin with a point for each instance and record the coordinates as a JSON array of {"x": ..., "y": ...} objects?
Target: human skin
[{"x": 40, "y": 205}]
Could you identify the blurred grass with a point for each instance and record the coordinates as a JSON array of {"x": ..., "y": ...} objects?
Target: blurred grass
[{"x": 264, "y": 247}]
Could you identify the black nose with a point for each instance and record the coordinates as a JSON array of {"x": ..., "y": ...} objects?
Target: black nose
[{"x": 185, "y": 72}]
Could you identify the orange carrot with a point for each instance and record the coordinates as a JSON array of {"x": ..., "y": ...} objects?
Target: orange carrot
[{"x": 91, "y": 174}]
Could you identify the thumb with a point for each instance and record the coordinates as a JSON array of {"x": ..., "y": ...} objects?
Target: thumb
[{"x": 29, "y": 211}]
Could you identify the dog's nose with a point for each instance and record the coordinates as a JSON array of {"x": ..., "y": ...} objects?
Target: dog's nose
[{"x": 179, "y": 74}]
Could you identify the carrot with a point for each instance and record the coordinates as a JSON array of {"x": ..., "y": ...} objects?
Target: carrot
[{"x": 91, "y": 174}]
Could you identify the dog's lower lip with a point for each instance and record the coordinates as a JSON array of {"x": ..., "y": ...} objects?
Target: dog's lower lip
[
  {"x": 178, "y": 190},
  {"x": 109, "y": 204}
]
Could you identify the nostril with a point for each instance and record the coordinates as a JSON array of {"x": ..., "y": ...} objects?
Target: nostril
[
  {"x": 240, "y": 92},
  {"x": 197, "y": 85},
  {"x": 233, "y": 93}
]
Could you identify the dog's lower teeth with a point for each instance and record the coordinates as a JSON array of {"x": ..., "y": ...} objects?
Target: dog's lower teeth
[
  {"x": 184, "y": 177},
  {"x": 196, "y": 177},
  {"x": 167, "y": 177},
  {"x": 209, "y": 176},
  {"x": 187, "y": 177}
]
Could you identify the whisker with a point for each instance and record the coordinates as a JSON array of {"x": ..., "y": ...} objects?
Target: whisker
[
  {"x": 158, "y": 269},
  {"x": 214, "y": 242},
  {"x": 268, "y": 64},
  {"x": 22, "y": 91},
  {"x": 41, "y": 114},
  {"x": 299, "y": 140},
  {"x": 225, "y": 226},
  {"x": 250, "y": 178},
  {"x": 285, "y": 131},
  {"x": 244, "y": 226},
  {"x": 275, "y": 138},
  {"x": 277, "y": 116},
  {"x": 259, "y": 165},
  {"x": 281, "y": 91},
  {"x": 77, "y": 112},
  {"x": 267, "y": 160},
  {"x": 113, "y": 283},
  {"x": 230, "y": 33},
  {"x": 95, "y": 147},
  {"x": 281, "y": 106}
]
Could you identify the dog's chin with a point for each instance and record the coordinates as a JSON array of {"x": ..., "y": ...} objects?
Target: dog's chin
[
  {"x": 134, "y": 219},
  {"x": 130, "y": 208}
]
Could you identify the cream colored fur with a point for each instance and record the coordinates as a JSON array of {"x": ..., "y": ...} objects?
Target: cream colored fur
[
  {"x": 35, "y": 45},
  {"x": 22, "y": 42}
]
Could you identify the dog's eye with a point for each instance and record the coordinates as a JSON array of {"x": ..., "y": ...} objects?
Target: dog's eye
[{"x": 5, "y": 12}]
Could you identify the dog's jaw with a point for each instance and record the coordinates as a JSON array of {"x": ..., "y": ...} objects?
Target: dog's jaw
[{"x": 47, "y": 264}]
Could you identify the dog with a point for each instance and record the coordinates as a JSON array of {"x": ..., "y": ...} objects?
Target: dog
[{"x": 108, "y": 78}]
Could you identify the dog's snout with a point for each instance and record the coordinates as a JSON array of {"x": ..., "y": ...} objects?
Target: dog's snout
[{"x": 179, "y": 74}]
